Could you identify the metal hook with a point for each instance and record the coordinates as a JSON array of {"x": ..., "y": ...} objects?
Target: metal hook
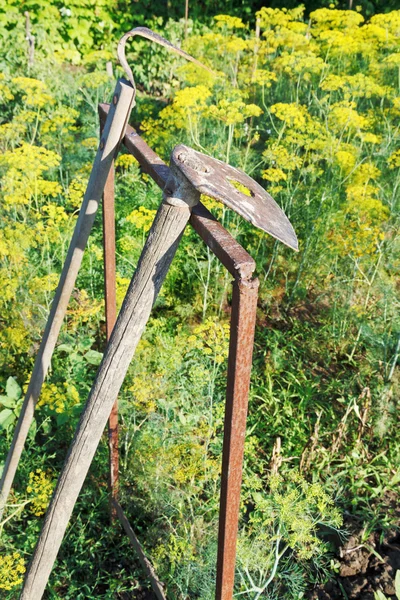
[{"x": 154, "y": 37}]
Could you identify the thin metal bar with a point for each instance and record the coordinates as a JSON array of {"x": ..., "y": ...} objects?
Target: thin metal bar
[
  {"x": 244, "y": 304},
  {"x": 243, "y": 319},
  {"x": 234, "y": 258},
  {"x": 111, "y": 317},
  {"x": 144, "y": 561}
]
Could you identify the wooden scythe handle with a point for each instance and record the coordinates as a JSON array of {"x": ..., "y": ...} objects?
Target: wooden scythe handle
[{"x": 159, "y": 250}]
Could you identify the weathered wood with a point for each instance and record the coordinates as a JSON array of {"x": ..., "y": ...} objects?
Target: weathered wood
[
  {"x": 113, "y": 132},
  {"x": 144, "y": 561},
  {"x": 154, "y": 263}
]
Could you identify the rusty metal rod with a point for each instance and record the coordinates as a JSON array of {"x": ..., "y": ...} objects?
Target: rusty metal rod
[
  {"x": 243, "y": 320},
  {"x": 111, "y": 316},
  {"x": 244, "y": 304},
  {"x": 234, "y": 258}
]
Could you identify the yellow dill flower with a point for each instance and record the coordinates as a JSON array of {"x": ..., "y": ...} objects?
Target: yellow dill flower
[
  {"x": 357, "y": 86},
  {"x": 40, "y": 489},
  {"x": 35, "y": 92},
  {"x": 5, "y": 91},
  {"x": 59, "y": 399},
  {"x": 370, "y": 138},
  {"x": 346, "y": 160},
  {"x": 393, "y": 60},
  {"x": 263, "y": 77},
  {"x": 394, "y": 160},
  {"x": 212, "y": 338},
  {"x": 12, "y": 567},
  {"x": 281, "y": 18},
  {"x": 94, "y": 80},
  {"x": 274, "y": 175},
  {"x": 232, "y": 112},
  {"x": 300, "y": 63},
  {"x": 324, "y": 19},
  {"x": 142, "y": 218},
  {"x": 344, "y": 116},
  {"x": 229, "y": 22},
  {"x": 364, "y": 173},
  {"x": 124, "y": 161},
  {"x": 76, "y": 191},
  {"x": 280, "y": 157},
  {"x": 91, "y": 143},
  {"x": 292, "y": 114},
  {"x": 26, "y": 166}
]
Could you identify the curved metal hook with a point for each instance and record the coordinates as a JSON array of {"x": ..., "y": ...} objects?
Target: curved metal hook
[{"x": 154, "y": 37}]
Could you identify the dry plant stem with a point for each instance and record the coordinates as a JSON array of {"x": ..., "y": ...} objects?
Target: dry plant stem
[
  {"x": 156, "y": 258},
  {"x": 114, "y": 130},
  {"x": 144, "y": 561}
]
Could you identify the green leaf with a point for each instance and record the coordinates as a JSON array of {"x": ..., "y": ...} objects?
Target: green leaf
[
  {"x": 93, "y": 357},
  {"x": 13, "y": 390},
  {"x": 379, "y": 596},
  {"x": 64, "y": 348},
  {"x": 7, "y": 402},
  {"x": 397, "y": 584},
  {"x": 6, "y": 418},
  {"x": 32, "y": 430}
]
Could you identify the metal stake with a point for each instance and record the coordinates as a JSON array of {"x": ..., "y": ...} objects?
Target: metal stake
[{"x": 111, "y": 317}]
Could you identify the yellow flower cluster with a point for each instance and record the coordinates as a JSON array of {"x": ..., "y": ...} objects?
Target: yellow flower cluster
[
  {"x": 34, "y": 92},
  {"x": 212, "y": 338},
  {"x": 355, "y": 86},
  {"x": 233, "y": 112},
  {"x": 25, "y": 167},
  {"x": 142, "y": 218},
  {"x": 292, "y": 114},
  {"x": 146, "y": 389},
  {"x": 59, "y": 399},
  {"x": 394, "y": 160},
  {"x": 229, "y": 22},
  {"x": 76, "y": 191},
  {"x": 12, "y": 568},
  {"x": 40, "y": 489},
  {"x": 124, "y": 161},
  {"x": 263, "y": 77}
]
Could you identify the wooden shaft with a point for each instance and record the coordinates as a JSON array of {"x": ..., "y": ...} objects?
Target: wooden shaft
[
  {"x": 156, "y": 258},
  {"x": 113, "y": 132}
]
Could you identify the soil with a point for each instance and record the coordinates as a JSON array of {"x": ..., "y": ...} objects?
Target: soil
[{"x": 366, "y": 565}]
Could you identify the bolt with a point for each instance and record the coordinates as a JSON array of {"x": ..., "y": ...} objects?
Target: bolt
[
  {"x": 101, "y": 144},
  {"x": 115, "y": 99}
]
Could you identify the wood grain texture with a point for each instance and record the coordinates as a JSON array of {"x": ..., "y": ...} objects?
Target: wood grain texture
[
  {"x": 156, "y": 258},
  {"x": 113, "y": 132}
]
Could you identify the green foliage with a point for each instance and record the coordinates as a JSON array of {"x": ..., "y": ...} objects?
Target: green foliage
[{"x": 310, "y": 109}]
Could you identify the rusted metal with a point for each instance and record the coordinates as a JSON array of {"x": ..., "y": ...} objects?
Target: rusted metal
[
  {"x": 234, "y": 258},
  {"x": 225, "y": 183},
  {"x": 111, "y": 316},
  {"x": 244, "y": 303},
  {"x": 153, "y": 37},
  {"x": 243, "y": 319},
  {"x": 144, "y": 561}
]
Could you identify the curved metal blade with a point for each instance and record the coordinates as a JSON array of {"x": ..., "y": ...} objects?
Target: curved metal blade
[
  {"x": 153, "y": 37},
  {"x": 221, "y": 181}
]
